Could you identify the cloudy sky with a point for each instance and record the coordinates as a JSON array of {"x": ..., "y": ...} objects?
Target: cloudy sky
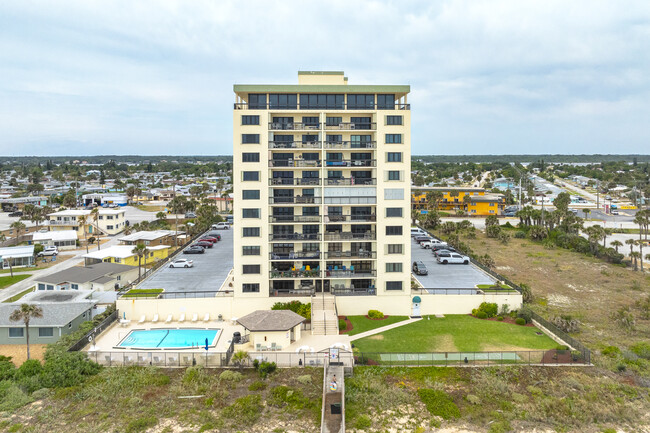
[{"x": 155, "y": 77}]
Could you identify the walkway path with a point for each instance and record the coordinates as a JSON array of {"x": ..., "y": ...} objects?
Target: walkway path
[{"x": 383, "y": 329}]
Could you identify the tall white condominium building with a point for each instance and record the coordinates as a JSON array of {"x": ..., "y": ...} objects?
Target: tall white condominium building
[{"x": 322, "y": 189}]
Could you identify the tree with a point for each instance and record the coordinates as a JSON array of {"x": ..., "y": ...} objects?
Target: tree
[
  {"x": 431, "y": 220},
  {"x": 634, "y": 255},
  {"x": 94, "y": 214},
  {"x": 640, "y": 244},
  {"x": 562, "y": 202},
  {"x": 240, "y": 358},
  {"x": 83, "y": 221},
  {"x": 19, "y": 227},
  {"x": 25, "y": 313},
  {"x": 141, "y": 251},
  {"x": 631, "y": 243},
  {"x": 616, "y": 244},
  {"x": 70, "y": 199}
]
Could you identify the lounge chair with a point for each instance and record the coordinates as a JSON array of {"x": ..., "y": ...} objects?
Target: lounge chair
[
  {"x": 207, "y": 317},
  {"x": 182, "y": 318},
  {"x": 156, "y": 360},
  {"x": 171, "y": 360},
  {"x": 155, "y": 319},
  {"x": 108, "y": 359},
  {"x": 142, "y": 319},
  {"x": 141, "y": 359},
  {"x": 169, "y": 318},
  {"x": 195, "y": 317},
  {"x": 128, "y": 360}
]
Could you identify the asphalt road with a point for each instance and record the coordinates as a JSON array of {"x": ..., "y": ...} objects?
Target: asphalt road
[
  {"x": 209, "y": 272},
  {"x": 447, "y": 276}
]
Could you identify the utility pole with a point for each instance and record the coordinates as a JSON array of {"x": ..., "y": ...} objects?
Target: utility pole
[{"x": 597, "y": 195}]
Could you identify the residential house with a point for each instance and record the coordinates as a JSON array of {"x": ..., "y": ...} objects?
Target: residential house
[
  {"x": 63, "y": 239},
  {"x": 123, "y": 254},
  {"x": 17, "y": 257},
  {"x": 101, "y": 277}
]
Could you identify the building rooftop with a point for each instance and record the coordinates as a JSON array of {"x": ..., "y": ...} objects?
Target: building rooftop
[
  {"x": 55, "y": 235},
  {"x": 119, "y": 251},
  {"x": 270, "y": 320},
  {"x": 146, "y": 235},
  {"x": 84, "y": 274},
  {"x": 20, "y": 251},
  {"x": 56, "y": 314}
]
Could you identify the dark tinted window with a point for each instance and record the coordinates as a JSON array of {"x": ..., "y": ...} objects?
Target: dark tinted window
[
  {"x": 250, "y": 157},
  {"x": 393, "y": 212},
  {"x": 284, "y": 101},
  {"x": 250, "y": 288},
  {"x": 250, "y": 194},
  {"x": 393, "y": 285},
  {"x": 393, "y": 230},
  {"x": 251, "y": 269},
  {"x": 250, "y": 213},
  {"x": 251, "y": 176},
  {"x": 385, "y": 102},
  {"x": 393, "y": 120},
  {"x": 321, "y": 101},
  {"x": 257, "y": 101},
  {"x": 251, "y": 232},
  {"x": 394, "y": 157},
  {"x": 361, "y": 102},
  {"x": 251, "y": 120},
  {"x": 250, "y": 138},
  {"x": 393, "y": 138},
  {"x": 251, "y": 251}
]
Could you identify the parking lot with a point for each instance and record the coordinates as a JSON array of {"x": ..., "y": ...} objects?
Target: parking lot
[
  {"x": 447, "y": 276},
  {"x": 209, "y": 272}
]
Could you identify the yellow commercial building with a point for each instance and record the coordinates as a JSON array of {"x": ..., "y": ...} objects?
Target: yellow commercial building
[
  {"x": 478, "y": 202},
  {"x": 123, "y": 254}
]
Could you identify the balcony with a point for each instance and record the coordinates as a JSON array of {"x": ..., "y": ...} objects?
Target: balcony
[
  {"x": 298, "y": 255},
  {"x": 311, "y": 237},
  {"x": 295, "y": 200},
  {"x": 298, "y": 273},
  {"x": 359, "y": 254},
  {"x": 338, "y": 107},
  {"x": 348, "y": 126},
  {"x": 350, "y": 218},
  {"x": 63, "y": 223},
  {"x": 290, "y": 181},
  {"x": 350, "y": 236},
  {"x": 350, "y": 145},
  {"x": 294, "y": 144},
  {"x": 302, "y": 291},
  {"x": 353, "y": 291},
  {"x": 349, "y": 273},
  {"x": 294, "y": 163},
  {"x": 350, "y": 181},
  {"x": 295, "y": 219},
  {"x": 350, "y": 200},
  {"x": 294, "y": 126},
  {"x": 351, "y": 163}
]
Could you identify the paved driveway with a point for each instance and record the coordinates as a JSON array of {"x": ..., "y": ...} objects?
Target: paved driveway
[
  {"x": 209, "y": 272},
  {"x": 447, "y": 276}
]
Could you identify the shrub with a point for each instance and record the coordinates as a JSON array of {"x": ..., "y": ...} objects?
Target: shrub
[
  {"x": 490, "y": 309},
  {"x": 231, "y": 376},
  {"x": 363, "y": 422},
  {"x": 505, "y": 309},
  {"x": 296, "y": 306},
  {"x": 12, "y": 397},
  {"x": 7, "y": 368},
  {"x": 304, "y": 379},
  {"x": 375, "y": 314},
  {"x": 67, "y": 369},
  {"x": 566, "y": 323},
  {"x": 266, "y": 368},
  {"x": 141, "y": 424},
  {"x": 520, "y": 321},
  {"x": 473, "y": 399},
  {"x": 500, "y": 318},
  {"x": 621, "y": 367},
  {"x": 438, "y": 403},
  {"x": 40, "y": 394},
  {"x": 611, "y": 351},
  {"x": 245, "y": 411},
  {"x": 525, "y": 313},
  {"x": 641, "y": 349},
  {"x": 256, "y": 364},
  {"x": 520, "y": 234},
  {"x": 342, "y": 325},
  {"x": 257, "y": 386},
  {"x": 284, "y": 396},
  {"x": 31, "y": 367},
  {"x": 240, "y": 358},
  {"x": 481, "y": 315}
]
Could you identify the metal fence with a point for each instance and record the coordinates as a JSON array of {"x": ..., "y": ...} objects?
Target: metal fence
[
  {"x": 563, "y": 336},
  {"x": 459, "y": 359},
  {"x": 83, "y": 341}
]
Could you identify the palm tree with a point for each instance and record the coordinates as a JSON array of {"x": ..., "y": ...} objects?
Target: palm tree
[
  {"x": 141, "y": 251},
  {"x": 631, "y": 243},
  {"x": 19, "y": 227},
  {"x": 83, "y": 221},
  {"x": 606, "y": 232},
  {"x": 94, "y": 214},
  {"x": 616, "y": 244},
  {"x": 25, "y": 313},
  {"x": 467, "y": 199},
  {"x": 587, "y": 212},
  {"x": 640, "y": 244},
  {"x": 635, "y": 255}
]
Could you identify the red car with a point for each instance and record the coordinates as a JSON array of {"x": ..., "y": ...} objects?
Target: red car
[
  {"x": 209, "y": 239},
  {"x": 204, "y": 244}
]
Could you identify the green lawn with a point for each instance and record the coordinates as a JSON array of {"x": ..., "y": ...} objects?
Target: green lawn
[
  {"x": 362, "y": 324},
  {"x": 8, "y": 271},
  {"x": 492, "y": 286},
  {"x": 6, "y": 281},
  {"x": 456, "y": 333},
  {"x": 19, "y": 295},
  {"x": 142, "y": 293}
]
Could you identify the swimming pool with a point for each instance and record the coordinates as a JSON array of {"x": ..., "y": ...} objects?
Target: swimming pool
[{"x": 169, "y": 338}]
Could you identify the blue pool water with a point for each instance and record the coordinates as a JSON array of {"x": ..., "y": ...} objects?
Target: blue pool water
[{"x": 169, "y": 338}]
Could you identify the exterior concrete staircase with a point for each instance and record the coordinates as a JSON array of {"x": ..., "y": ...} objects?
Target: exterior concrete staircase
[{"x": 324, "y": 320}]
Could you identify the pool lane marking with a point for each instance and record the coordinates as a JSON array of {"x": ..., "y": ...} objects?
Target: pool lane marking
[{"x": 162, "y": 339}]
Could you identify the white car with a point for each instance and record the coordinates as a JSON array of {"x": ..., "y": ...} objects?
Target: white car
[
  {"x": 182, "y": 263},
  {"x": 453, "y": 258},
  {"x": 49, "y": 251},
  {"x": 433, "y": 243},
  {"x": 220, "y": 226}
]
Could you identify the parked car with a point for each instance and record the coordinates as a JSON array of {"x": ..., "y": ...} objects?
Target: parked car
[
  {"x": 181, "y": 263},
  {"x": 194, "y": 249},
  {"x": 204, "y": 244},
  {"x": 442, "y": 247},
  {"x": 422, "y": 238},
  {"x": 214, "y": 235},
  {"x": 454, "y": 258},
  {"x": 444, "y": 252},
  {"x": 510, "y": 213},
  {"x": 220, "y": 226},
  {"x": 210, "y": 239},
  {"x": 416, "y": 231},
  {"x": 48, "y": 251},
  {"x": 426, "y": 244},
  {"x": 16, "y": 214},
  {"x": 419, "y": 268},
  {"x": 190, "y": 215}
]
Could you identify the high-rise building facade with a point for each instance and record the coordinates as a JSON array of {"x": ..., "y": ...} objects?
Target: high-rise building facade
[{"x": 321, "y": 188}]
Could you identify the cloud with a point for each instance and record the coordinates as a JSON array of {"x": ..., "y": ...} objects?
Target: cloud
[{"x": 153, "y": 77}]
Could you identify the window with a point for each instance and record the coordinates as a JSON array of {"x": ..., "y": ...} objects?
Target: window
[
  {"x": 395, "y": 249},
  {"x": 394, "y": 157},
  {"x": 394, "y": 175},
  {"x": 287, "y": 101},
  {"x": 74, "y": 286},
  {"x": 250, "y": 213},
  {"x": 311, "y": 121},
  {"x": 251, "y": 250},
  {"x": 393, "y": 212},
  {"x": 385, "y": 102},
  {"x": 250, "y": 288},
  {"x": 101, "y": 217},
  {"x": 361, "y": 102},
  {"x": 393, "y": 285},
  {"x": 393, "y": 230},
  {"x": 41, "y": 286},
  {"x": 393, "y": 120},
  {"x": 251, "y": 232},
  {"x": 46, "y": 332},
  {"x": 257, "y": 101},
  {"x": 109, "y": 227},
  {"x": 394, "y": 194},
  {"x": 50, "y": 287},
  {"x": 255, "y": 120},
  {"x": 250, "y": 194},
  {"x": 250, "y": 176},
  {"x": 333, "y": 121},
  {"x": 321, "y": 101},
  {"x": 393, "y": 138},
  {"x": 250, "y": 138},
  {"x": 250, "y": 157},
  {"x": 16, "y": 332},
  {"x": 109, "y": 217},
  {"x": 393, "y": 267},
  {"x": 251, "y": 269}
]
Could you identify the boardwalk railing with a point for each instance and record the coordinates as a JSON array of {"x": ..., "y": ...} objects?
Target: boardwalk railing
[
  {"x": 88, "y": 338},
  {"x": 577, "y": 345}
]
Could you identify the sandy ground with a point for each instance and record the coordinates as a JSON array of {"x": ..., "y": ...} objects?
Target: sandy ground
[{"x": 18, "y": 352}]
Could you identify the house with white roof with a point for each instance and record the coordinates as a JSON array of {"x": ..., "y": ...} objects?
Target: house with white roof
[
  {"x": 63, "y": 239},
  {"x": 17, "y": 256},
  {"x": 110, "y": 221},
  {"x": 123, "y": 254}
]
